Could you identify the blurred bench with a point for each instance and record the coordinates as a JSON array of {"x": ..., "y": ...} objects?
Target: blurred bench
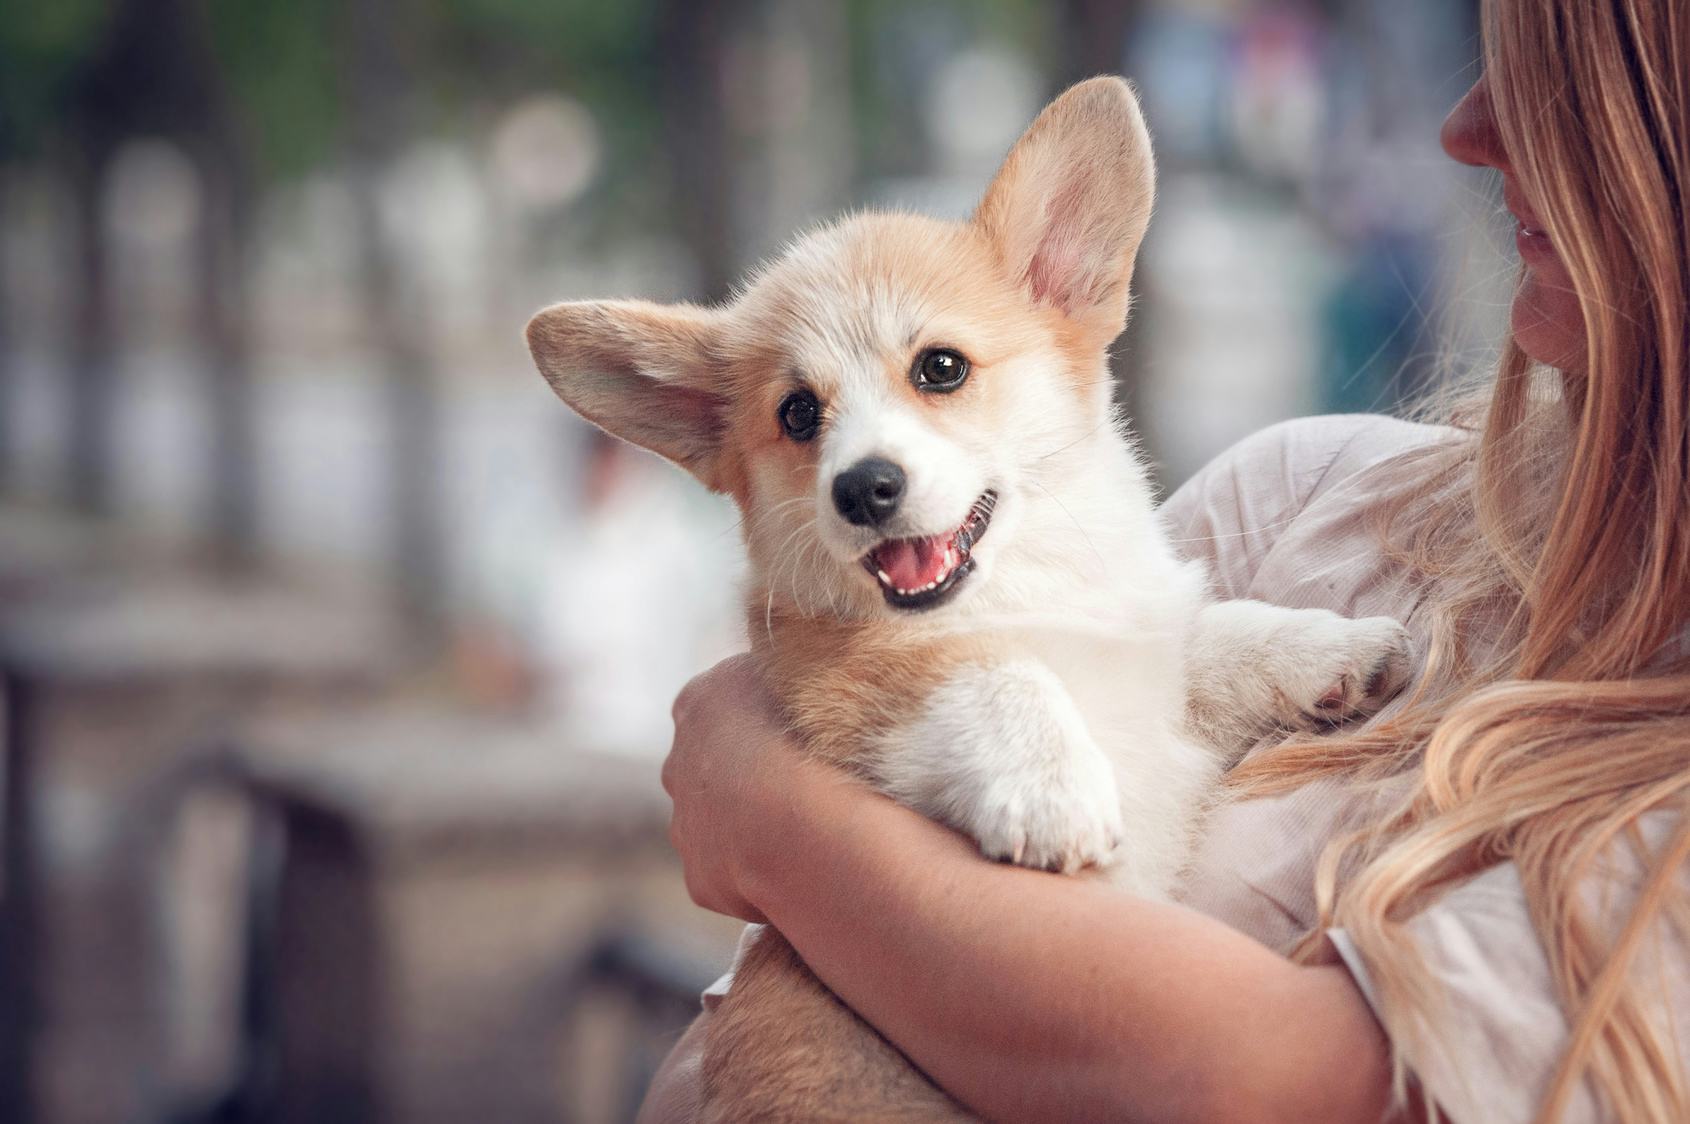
[
  {"x": 117, "y": 673},
  {"x": 244, "y": 879},
  {"x": 456, "y": 918}
]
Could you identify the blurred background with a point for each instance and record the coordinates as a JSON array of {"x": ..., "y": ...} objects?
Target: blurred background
[{"x": 337, "y": 655}]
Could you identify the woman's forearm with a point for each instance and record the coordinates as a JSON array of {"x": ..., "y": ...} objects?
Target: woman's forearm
[{"x": 1030, "y": 996}]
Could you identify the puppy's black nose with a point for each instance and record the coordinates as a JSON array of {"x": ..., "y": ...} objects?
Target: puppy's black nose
[{"x": 868, "y": 491}]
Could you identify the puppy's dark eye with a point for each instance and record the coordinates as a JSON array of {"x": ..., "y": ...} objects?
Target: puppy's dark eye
[
  {"x": 939, "y": 369},
  {"x": 800, "y": 415}
]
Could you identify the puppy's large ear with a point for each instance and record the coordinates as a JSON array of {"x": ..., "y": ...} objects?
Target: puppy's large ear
[
  {"x": 640, "y": 371},
  {"x": 1070, "y": 205}
]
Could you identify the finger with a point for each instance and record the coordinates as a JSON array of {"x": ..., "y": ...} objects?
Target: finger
[
  {"x": 667, "y": 775},
  {"x": 702, "y": 684},
  {"x": 742, "y": 665},
  {"x": 683, "y": 704}
]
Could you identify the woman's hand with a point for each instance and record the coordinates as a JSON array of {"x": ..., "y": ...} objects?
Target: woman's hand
[
  {"x": 1026, "y": 995},
  {"x": 735, "y": 777}
]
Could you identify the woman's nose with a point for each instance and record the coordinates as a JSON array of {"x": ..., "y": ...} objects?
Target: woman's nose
[{"x": 1469, "y": 134}]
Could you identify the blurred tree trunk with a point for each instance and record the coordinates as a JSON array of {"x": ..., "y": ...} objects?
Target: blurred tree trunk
[
  {"x": 693, "y": 41},
  {"x": 223, "y": 266},
  {"x": 157, "y": 71},
  {"x": 1094, "y": 36},
  {"x": 802, "y": 169},
  {"x": 9, "y": 396},
  {"x": 226, "y": 336},
  {"x": 1093, "y": 39},
  {"x": 378, "y": 91},
  {"x": 93, "y": 329}
]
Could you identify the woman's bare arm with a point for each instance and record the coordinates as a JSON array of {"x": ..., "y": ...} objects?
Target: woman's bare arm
[{"x": 1028, "y": 996}]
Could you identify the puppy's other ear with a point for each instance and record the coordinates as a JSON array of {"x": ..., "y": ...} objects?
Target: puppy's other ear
[
  {"x": 1070, "y": 205},
  {"x": 640, "y": 371}
]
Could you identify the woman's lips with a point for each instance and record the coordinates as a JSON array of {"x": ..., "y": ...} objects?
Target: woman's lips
[
  {"x": 1529, "y": 236},
  {"x": 1533, "y": 244}
]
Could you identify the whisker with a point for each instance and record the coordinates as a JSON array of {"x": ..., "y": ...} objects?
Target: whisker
[
  {"x": 1101, "y": 561},
  {"x": 1105, "y": 423}
]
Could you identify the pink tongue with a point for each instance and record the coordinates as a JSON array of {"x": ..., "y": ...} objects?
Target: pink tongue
[{"x": 913, "y": 563}]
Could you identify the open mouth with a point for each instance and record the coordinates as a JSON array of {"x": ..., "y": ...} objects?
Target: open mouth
[{"x": 923, "y": 573}]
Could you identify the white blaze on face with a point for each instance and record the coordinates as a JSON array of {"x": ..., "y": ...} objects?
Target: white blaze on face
[
  {"x": 852, "y": 338},
  {"x": 941, "y": 479}
]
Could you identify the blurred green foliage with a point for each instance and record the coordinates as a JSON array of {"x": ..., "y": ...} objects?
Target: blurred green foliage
[
  {"x": 481, "y": 53},
  {"x": 284, "y": 67},
  {"x": 888, "y": 45},
  {"x": 41, "y": 46},
  {"x": 505, "y": 46},
  {"x": 277, "y": 61}
]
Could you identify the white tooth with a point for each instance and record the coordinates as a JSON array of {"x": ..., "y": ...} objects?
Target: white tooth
[{"x": 883, "y": 576}]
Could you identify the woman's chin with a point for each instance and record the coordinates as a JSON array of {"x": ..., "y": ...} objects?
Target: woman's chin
[{"x": 1547, "y": 323}]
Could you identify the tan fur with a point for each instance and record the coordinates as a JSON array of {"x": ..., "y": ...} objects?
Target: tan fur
[
  {"x": 782, "y": 1047},
  {"x": 1116, "y": 158},
  {"x": 841, "y": 682},
  {"x": 703, "y": 387},
  {"x": 612, "y": 343}
]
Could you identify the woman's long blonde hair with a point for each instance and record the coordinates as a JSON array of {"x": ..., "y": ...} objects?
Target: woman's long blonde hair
[{"x": 1559, "y": 531}]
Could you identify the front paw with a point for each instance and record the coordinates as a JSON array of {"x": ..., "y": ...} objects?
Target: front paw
[
  {"x": 1060, "y": 821},
  {"x": 1355, "y": 668},
  {"x": 1001, "y": 753}
]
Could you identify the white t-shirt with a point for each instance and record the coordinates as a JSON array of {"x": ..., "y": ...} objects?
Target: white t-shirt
[{"x": 1288, "y": 516}]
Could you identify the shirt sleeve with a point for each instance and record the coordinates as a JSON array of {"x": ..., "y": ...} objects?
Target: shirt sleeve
[
  {"x": 1491, "y": 1047},
  {"x": 1232, "y": 512},
  {"x": 716, "y": 992}
]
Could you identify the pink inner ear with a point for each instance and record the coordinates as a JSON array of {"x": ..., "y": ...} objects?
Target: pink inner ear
[
  {"x": 699, "y": 410},
  {"x": 1064, "y": 270},
  {"x": 694, "y": 420}
]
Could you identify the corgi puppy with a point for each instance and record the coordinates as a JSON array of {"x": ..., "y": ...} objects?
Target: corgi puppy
[{"x": 959, "y": 589}]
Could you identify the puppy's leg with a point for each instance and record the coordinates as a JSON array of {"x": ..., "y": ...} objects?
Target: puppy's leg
[
  {"x": 1002, "y": 753},
  {"x": 1253, "y": 668},
  {"x": 783, "y": 1049}
]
